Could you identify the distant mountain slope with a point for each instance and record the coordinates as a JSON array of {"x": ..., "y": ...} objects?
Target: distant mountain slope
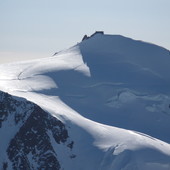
[{"x": 81, "y": 96}]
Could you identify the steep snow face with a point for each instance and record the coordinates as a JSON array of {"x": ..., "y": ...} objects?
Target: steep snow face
[
  {"x": 118, "y": 58},
  {"x": 130, "y": 87},
  {"x": 108, "y": 79},
  {"x": 38, "y": 140}
]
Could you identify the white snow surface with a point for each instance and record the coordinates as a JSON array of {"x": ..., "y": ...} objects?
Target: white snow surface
[{"x": 113, "y": 94}]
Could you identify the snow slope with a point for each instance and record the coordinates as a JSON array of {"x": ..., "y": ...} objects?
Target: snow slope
[{"x": 113, "y": 94}]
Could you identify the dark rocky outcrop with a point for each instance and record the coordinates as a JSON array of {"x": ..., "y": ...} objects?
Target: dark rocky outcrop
[
  {"x": 31, "y": 147},
  {"x": 97, "y": 32}
]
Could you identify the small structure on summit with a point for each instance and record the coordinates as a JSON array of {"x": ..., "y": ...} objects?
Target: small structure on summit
[{"x": 97, "y": 32}]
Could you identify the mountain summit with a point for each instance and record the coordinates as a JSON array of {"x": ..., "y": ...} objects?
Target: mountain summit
[
  {"x": 123, "y": 55},
  {"x": 102, "y": 104}
]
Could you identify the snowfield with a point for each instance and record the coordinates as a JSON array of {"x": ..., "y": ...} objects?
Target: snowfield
[{"x": 113, "y": 95}]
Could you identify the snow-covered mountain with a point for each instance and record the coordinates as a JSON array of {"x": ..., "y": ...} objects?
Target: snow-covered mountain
[{"x": 103, "y": 104}]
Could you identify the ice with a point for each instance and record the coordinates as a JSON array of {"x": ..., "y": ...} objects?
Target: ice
[{"x": 113, "y": 94}]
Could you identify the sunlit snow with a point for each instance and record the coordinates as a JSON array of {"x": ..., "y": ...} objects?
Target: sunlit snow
[{"x": 112, "y": 92}]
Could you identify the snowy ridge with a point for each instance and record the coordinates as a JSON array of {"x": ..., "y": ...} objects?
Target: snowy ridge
[{"x": 111, "y": 92}]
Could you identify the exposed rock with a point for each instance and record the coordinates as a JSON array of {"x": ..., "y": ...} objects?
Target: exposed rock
[
  {"x": 31, "y": 146},
  {"x": 97, "y": 32}
]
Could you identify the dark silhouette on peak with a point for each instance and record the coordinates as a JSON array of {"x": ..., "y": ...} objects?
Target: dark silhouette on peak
[
  {"x": 85, "y": 38},
  {"x": 97, "y": 32}
]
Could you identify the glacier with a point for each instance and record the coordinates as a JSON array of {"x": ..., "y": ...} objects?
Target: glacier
[{"x": 110, "y": 93}]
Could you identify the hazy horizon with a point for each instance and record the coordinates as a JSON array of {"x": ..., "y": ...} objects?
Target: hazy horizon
[{"x": 35, "y": 29}]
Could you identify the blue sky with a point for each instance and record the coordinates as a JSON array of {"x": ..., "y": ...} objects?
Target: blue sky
[{"x": 39, "y": 28}]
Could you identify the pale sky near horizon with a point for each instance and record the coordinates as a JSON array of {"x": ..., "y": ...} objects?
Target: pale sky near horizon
[{"x": 39, "y": 28}]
